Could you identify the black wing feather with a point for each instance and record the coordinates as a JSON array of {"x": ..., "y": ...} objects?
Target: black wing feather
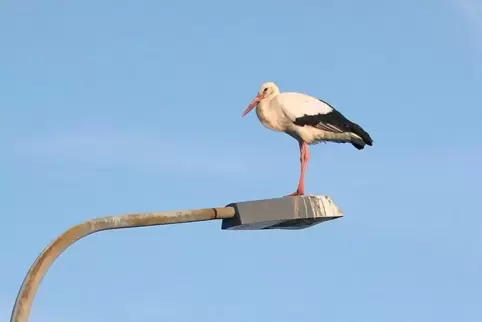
[{"x": 334, "y": 122}]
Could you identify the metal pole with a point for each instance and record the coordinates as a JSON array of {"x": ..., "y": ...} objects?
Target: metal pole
[{"x": 25, "y": 296}]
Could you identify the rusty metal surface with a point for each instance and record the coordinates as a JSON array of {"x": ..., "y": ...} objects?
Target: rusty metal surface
[{"x": 38, "y": 269}]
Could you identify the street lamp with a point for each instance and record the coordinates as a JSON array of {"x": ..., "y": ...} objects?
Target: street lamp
[{"x": 297, "y": 212}]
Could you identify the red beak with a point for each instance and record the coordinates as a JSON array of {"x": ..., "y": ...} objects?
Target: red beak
[{"x": 253, "y": 104}]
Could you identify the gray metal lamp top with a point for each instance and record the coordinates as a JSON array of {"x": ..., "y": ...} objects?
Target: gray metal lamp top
[{"x": 297, "y": 212}]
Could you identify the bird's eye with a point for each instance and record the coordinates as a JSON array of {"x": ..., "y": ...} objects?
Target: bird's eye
[{"x": 265, "y": 90}]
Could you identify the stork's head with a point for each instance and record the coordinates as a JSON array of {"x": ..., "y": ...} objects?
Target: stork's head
[{"x": 267, "y": 89}]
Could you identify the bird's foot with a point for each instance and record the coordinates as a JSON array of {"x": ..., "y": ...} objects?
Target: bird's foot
[{"x": 298, "y": 192}]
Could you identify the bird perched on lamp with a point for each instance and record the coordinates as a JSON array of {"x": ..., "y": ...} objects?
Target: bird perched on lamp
[{"x": 307, "y": 119}]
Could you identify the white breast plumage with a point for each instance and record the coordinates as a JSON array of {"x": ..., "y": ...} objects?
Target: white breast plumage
[{"x": 268, "y": 116}]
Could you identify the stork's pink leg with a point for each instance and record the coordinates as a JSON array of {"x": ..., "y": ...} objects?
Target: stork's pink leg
[{"x": 304, "y": 157}]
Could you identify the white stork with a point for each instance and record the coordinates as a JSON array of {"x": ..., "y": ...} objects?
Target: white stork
[{"x": 307, "y": 119}]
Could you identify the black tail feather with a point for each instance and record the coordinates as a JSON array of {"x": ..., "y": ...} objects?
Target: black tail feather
[
  {"x": 358, "y": 130},
  {"x": 358, "y": 146}
]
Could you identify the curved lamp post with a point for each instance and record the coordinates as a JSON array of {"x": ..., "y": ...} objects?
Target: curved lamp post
[{"x": 282, "y": 213}]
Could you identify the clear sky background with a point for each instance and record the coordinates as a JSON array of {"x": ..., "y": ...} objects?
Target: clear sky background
[{"x": 111, "y": 107}]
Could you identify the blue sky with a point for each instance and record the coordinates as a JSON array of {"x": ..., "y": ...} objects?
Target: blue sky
[{"x": 114, "y": 107}]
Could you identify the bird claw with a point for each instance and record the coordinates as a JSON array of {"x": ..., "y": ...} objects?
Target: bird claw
[{"x": 296, "y": 193}]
